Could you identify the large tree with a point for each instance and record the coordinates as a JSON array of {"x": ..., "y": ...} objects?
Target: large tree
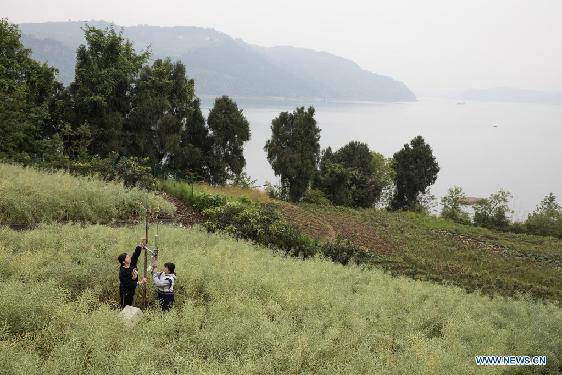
[
  {"x": 294, "y": 149},
  {"x": 27, "y": 90},
  {"x": 165, "y": 123},
  {"x": 416, "y": 169},
  {"x": 192, "y": 159},
  {"x": 347, "y": 177},
  {"x": 106, "y": 68},
  {"x": 229, "y": 130}
]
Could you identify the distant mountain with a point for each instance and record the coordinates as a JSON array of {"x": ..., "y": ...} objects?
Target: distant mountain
[
  {"x": 223, "y": 65},
  {"x": 513, "y": 95},
  {"x": 55, "y": 53}
]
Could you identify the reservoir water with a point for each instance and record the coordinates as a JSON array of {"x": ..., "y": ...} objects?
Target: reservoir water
[{"x": 480, "y": 146}]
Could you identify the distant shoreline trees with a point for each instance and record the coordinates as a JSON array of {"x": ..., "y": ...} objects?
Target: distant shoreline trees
[{"x": 352, "y": 176}]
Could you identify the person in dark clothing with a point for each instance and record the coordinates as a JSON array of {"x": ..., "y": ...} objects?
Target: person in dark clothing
[{"x": 128, "y": 276}]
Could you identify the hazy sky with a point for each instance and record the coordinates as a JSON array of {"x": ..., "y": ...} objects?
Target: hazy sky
[{"x": 434, "y": 46}]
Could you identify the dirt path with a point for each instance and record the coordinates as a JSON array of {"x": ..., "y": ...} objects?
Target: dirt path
[{"x": 184, "y": 215}]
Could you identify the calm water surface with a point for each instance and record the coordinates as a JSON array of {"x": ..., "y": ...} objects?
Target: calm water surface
[{"x": 480, "y": 146}]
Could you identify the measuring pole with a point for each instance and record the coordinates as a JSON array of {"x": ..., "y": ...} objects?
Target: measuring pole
[{"x": 144, "y": 300}]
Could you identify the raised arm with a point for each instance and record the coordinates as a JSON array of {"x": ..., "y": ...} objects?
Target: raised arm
[{"x": 135, "y": 257}]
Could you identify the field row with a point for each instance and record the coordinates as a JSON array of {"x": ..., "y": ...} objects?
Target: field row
[{"x": 242, "y": 309}]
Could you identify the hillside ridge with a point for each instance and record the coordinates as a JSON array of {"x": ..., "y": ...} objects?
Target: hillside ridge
[{"x": 221, "y": 64}]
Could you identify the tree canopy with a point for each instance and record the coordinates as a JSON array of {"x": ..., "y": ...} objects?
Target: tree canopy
[
  {"x": 452, "y": 206},
  {"x": 348, "y": 176},
  {"x": 294, "y": 149},
  {"x": 27, "y": 91},
  {"x": 494, "y": 212},
  {"x": 546, "y": 220},
  {"x": 416, "y": 169},
  {"x": 229, "y": 130},
  {"x": 107, "y": 67}
]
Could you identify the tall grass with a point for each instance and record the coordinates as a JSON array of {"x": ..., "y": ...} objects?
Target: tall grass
[
  {"x": 189, "y": 192},
  {"x": 242, "y": 309},
  {"x": 28, "y": 197}
]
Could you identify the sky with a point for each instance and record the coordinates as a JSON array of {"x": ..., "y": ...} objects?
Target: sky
[{"x": 437, "y": 47}]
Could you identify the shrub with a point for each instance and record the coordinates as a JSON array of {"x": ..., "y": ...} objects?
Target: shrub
[
  {"x": 546, "y": 220},
  {"x": 493, "y": 212},
  {"x": 316, "y": 197},
  {"x": 197, "y": 199},
  {"x": 276, "y": 191},
  {"x": 452, "y": 206},
  {"x": 259, "y": 223},
  {"x": 131, "y": 171},
  {"x": 343, "y": 251}
]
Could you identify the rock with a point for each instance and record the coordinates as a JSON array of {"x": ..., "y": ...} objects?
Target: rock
[{"x": 131, "y": 315}]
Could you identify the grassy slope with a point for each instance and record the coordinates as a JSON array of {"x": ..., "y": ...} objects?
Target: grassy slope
[
  {"x": 28, "y": 197},
  {"x": 242, "y": 309},
  {"x": 434, "y": 249}
]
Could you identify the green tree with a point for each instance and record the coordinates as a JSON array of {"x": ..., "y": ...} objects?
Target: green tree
[
  {"x": 546, "y": 220},
  {"x": 106, "y": 69},
  {"x": 229, "y": 130},
  {"x": 347, "y": 177},
  {"x": 165, "y": 123},
  {"x": 76, "y": 141},
  {"x": 416, "y": 169},
  {"x": 294, "y": 149},
  {"x": 192, "y": 159},
  {"x": 493, "y": 212},
  {"x": 384, "y": 175},
  {"x": 27, "y": 89},
  {"x": 452, "y": 206}
]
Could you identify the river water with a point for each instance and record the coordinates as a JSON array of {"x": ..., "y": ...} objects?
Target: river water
[{"x": 480, "y": 146}]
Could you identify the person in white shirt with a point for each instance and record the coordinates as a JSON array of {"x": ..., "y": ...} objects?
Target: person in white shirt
[{"x": 164, "y": 282}]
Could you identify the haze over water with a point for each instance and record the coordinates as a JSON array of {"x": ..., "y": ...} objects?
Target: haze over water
[{"x": 521, "y": 154}]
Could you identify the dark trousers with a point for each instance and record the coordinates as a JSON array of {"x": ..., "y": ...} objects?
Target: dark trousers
[
  {"x": 126, "y": 297},
  {"x": 166, "y": 300}
]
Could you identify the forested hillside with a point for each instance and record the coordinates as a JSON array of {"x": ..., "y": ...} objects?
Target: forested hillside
[{"x": 223, "y": 65}]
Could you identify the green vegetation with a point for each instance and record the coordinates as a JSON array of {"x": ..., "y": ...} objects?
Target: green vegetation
[
  {"x": 119, "y": 111},
  {"x": 415, "y": 170},
  {"x": 229, "y": 130},
  {"x": 241, "y": 309},
  {"x": 452, "y": 206},
  {"x": 348, "y": 176},
  {"x": 403, "y": 243},
  {"x": 293, "y": 150},
  {"x": 28, "y": 92},
  {"x": 494, "y": 212},
  {"x": 28, "y": 197},
  {"x": 546, "y": 220},
  {"x": 431, "y": 248},
  {"x": 262, "y": 223}
]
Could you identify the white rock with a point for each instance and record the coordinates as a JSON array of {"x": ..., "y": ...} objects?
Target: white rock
[{"x": 131, "y": 315}]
